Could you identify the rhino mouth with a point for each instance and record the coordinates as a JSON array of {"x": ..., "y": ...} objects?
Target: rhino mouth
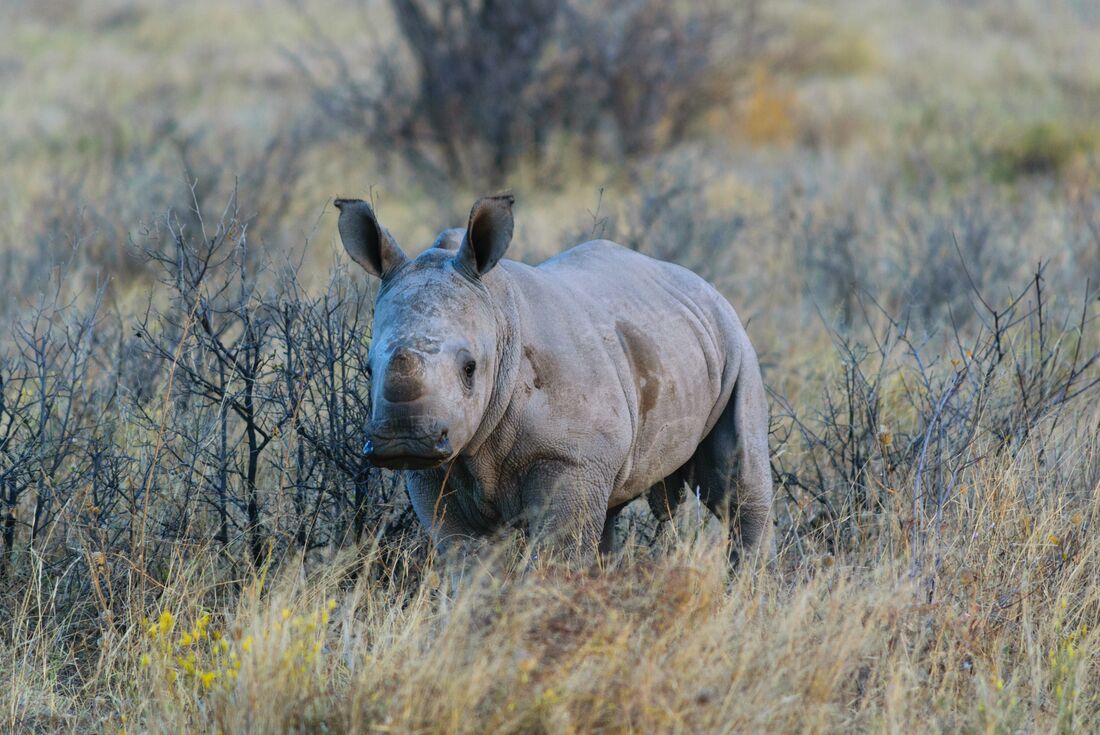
[
  {"x": 407, "y": 462},
  {"x": 408, "y": 452}
]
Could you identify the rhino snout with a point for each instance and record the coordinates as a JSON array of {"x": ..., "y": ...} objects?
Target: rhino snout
[{"x": 410, "y": 446}]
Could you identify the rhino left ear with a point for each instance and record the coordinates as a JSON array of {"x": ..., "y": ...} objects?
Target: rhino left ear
[{"x": 488, "y": 234}]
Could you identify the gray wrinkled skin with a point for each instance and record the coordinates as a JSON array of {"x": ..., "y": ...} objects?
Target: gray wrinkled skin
[{"x": 548, "y": 397}]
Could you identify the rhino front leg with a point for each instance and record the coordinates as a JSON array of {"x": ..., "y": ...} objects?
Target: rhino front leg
[
  {"x": 565, "y": 506},
  {"x": 430, "y": 500},
  {"x": 458, "y": 544}
]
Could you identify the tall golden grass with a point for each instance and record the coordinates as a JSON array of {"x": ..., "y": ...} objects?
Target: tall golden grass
[{"x": 997, "y": 631}]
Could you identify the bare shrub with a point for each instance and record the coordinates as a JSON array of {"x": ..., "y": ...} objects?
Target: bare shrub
[
  {"x": 491, "y": 81},
  {"x": 50, "y": 420},
  {"x": 262, "y": 440},
  {"x": 215, "y": 338},
  {"x": 905, "y": 415}
]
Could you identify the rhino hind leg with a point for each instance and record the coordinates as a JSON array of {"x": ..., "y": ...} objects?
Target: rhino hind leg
[
  {"x": 733, "y": 469},
  {"x": 665, "y": 496},
  {"x": 607, "y": 537}
]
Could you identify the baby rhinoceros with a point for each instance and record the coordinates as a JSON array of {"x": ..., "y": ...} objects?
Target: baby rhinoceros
[{"x": 549, "y": 397}]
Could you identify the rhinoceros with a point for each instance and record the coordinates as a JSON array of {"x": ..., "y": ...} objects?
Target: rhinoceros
[{"x": 548, "y": 397}]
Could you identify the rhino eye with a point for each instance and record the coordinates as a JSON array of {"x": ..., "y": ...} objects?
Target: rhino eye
[{"x": 468, "y": 372}]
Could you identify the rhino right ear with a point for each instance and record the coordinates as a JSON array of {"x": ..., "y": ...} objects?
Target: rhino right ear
[
  {"x": 487, "y": 235},
  {"x": 368, "y": 243}
]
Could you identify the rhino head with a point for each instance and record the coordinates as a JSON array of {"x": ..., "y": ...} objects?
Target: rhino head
[{"x": 434, "y": 347}]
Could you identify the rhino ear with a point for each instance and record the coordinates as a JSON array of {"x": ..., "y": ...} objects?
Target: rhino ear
[
  {"x": 367, "y": 242},
  {"x": 487, "y": 235}
]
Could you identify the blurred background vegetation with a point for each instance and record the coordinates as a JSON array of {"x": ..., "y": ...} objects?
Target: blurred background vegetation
[
  {"x": 793, "y": 121},
  {"x": 902, "y": 200}
]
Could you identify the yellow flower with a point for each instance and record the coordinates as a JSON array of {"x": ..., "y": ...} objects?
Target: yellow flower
[
  {"x": 185, "y": 640},
  {"x": 331, "y": 604},
  {"x": 1054, "y": 539},
  {"x": 145, "y": 660},
  {"x": 166, "y": 621},
  {"x": 286, "y": 613},
  {"x": 246, "y": 644},
  {"x": 207, "y": 678}
]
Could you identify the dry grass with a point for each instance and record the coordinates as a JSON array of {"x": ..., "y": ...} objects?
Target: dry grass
[{"x": 1006, "y": 640}]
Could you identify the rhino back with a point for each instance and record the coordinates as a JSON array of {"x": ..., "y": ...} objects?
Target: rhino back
[{"x": 626, "y": 358}]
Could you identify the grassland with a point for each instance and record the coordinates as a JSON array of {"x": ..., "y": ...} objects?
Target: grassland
[{"x": 903, "y": 203}]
